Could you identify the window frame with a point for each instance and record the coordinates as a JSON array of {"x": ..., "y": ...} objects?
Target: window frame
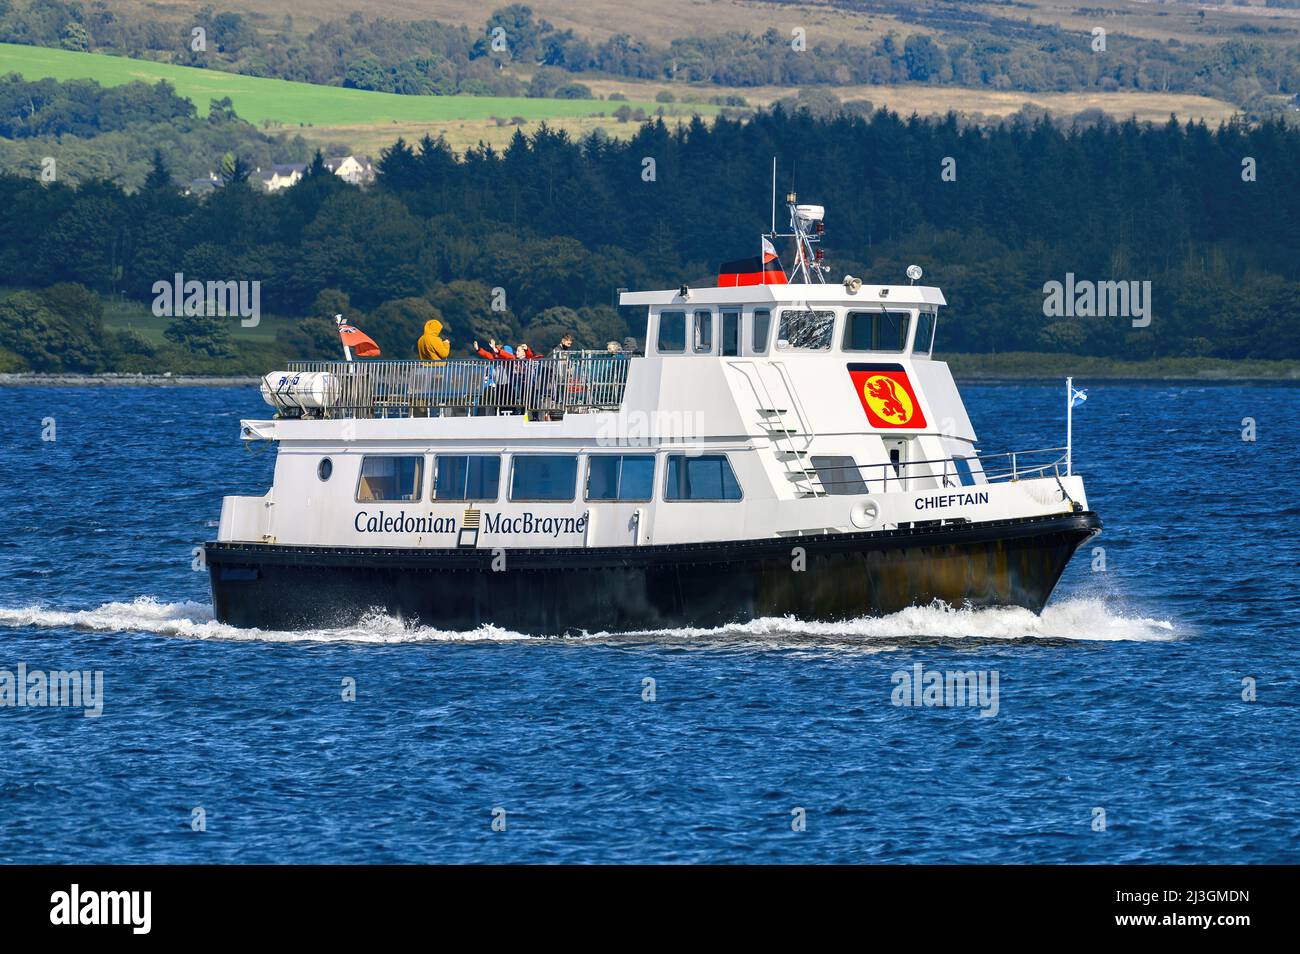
[
  {"x": 908, "y": 331},
  {"x": 734, "y": 312},
  {"x": 617, "y": 499},
  {"x": 852, "y": 466},
  {"x": 702, "y": 319},
  {"x": 361, "y": 475},
  {"x": 830, "y": 338},
  {"x": 433, "y": 483},
  {"x": 659, "y": 332},
  {"x": 510, "y": 490},
  {"x": 933, "y": 315},
  {"x": 705, "y": 500},
  {"x": 767, "y": 330}
]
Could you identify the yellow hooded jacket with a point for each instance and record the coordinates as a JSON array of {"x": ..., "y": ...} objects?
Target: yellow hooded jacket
[{"x": 431, "y": 347}]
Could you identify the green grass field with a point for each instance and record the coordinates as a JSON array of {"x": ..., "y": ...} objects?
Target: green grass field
[{"x": 259, "y": 100}]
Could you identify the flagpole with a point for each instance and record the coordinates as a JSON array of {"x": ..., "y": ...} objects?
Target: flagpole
[
  {"x": 347, "y": 352},
  {"x": 1069, "y": 426}
]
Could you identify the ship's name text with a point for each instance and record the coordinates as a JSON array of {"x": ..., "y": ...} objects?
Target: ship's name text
[
  {"x": 952, "y": 500},
  {"x": 526, "y": 523},
  {"x": 402, "y": 522}
]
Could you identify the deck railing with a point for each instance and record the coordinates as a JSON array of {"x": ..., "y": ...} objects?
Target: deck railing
[
  {"x": 581, "y": 382},
  {"x": 1008, "y": 466}
]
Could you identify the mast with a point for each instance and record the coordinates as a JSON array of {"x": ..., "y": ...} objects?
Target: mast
[{"x": 806, "y": 228}]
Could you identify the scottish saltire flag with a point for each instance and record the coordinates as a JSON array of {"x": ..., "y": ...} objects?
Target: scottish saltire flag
[{"x": 1078, "y": 396}]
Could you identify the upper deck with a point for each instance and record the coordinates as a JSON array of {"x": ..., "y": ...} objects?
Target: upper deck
[{"x": 769, "y": 323}]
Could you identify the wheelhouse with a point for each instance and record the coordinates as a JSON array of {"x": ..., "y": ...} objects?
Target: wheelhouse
[{"x": 790, "y": 320}]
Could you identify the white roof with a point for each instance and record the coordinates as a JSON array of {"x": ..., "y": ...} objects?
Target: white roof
[{"x": 829, "y": 294}]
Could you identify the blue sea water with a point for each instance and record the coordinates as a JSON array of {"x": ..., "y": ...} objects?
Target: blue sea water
[{"x": 1125, "y": 696}]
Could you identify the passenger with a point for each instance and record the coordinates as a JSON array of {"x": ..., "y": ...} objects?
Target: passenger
[
  {"x": 629, "y": 346},
  {"x": 609, "y": 375},
  {"x": 565, "y": 346},
  {"x": 554, "y": 385},
  {"x": 496, "y": 353},
  {"x": 432, "y": 347}
]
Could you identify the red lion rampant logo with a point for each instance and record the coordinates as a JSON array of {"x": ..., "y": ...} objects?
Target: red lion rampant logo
[{"x": 883, "y": 390}]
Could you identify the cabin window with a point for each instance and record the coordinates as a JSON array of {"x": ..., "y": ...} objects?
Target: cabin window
[
  {"x": 672, "y": 332},
  {"x": 391, "y": 479},
  {"x": 762, "y": 325},
  {"x": 730, "y": 334},
  {"x": 544, "y": 477},
  {"x": 707, "y": 477},
  {"x": 805, "y": 330},
  {"x": 324, "y": 468},
  {"x": 620, "y": 476},
  {"x": 925, "y": 323},
  {"x": 876, "y": 331},
  {"x": 839, "y": 476},
  {"x": 703, "y": 339},
  {"x": 466, "y": 477},
  {"x": 964, "y": 473}
]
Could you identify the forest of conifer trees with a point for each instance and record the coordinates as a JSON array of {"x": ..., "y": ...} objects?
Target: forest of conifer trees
[{"x": 1211, "y": 217}]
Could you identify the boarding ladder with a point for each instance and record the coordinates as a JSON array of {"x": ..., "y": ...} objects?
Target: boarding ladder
[{"x": 791, "y": 444}]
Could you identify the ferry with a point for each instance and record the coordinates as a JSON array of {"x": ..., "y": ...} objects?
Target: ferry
[{"x": 784, "y": 445}]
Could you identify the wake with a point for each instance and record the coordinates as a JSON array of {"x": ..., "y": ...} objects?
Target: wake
[{"x": 1075, "y": 618}]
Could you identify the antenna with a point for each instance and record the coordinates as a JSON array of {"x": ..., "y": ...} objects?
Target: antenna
[{"x": 774, "y": 195}]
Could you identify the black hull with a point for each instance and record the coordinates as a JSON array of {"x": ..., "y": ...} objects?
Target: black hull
[{"x": 554, "y": 591}]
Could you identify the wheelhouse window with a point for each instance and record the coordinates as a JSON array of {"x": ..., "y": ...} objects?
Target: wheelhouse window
[
  {"x": 466, "y": 477},
  {"x": 925, "y": 323},
  {"x": 839, "y": 476},
  {"x": 805, "y": 330},
  {"x": 703, "y": 338},
  {"x": 543, "y": 477},
  {"x": 707, "y": 477},
  {"x": 620, "y": 477},
  {"x": 876, "y": 331},
  {"x": 390, "y": 478},
  {"x": 762, "y": 325},
  {"x": 672, "y": 332}
]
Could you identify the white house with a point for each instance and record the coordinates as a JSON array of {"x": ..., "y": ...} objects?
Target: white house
[
  {"x": 351, "y": 169},
  {"x": 280, "y": 176}
]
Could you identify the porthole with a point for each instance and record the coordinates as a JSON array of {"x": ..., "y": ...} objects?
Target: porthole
[{"x": 325, "y": 468}]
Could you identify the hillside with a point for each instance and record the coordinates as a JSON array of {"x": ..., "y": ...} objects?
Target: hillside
[
  {"x": 275, "y": 101},
  {"x": 855, "y": 20}
]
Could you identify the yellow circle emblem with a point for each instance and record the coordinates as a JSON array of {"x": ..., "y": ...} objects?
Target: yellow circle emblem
[{"x": 889, "y": 400}]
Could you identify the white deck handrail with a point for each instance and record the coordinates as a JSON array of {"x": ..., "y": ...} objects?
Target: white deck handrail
[{"x": 587, "y": 381}]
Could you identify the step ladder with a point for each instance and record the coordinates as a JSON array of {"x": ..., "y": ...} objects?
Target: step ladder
[{"x": 790, "y": 444}]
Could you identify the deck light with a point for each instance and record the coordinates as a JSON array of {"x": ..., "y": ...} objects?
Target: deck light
[{"x": 914, "y": 273}]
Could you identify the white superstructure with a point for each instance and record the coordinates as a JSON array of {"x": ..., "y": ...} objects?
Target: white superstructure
[{"x": 759, "y": 379}]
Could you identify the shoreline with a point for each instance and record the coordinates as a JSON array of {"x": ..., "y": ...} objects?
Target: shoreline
[{"x": 964, "y": 367}]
